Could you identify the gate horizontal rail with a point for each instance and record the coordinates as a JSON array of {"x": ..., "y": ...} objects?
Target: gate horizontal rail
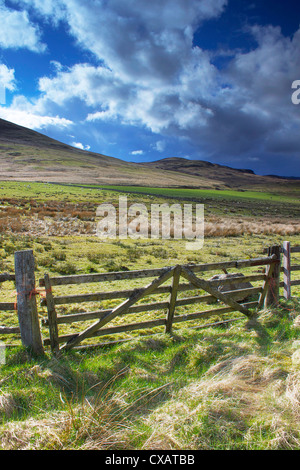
[{"x": 146, "y": 273}]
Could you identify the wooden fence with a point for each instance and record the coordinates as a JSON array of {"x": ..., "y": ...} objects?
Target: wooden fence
[
  {"x": 288, "y": 268},
  {"x": 227, "y": 295},
  {"x": 25, "y": 302},
  {"x": 8, "y": 307}
]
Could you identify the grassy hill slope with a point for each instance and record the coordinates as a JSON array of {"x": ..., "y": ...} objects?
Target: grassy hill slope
[
  {"x": 31, "y": 156},
  {"x": 27, "y": 155}
]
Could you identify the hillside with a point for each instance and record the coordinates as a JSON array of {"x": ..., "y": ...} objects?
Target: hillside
[
  {"x": 224, "y": 174},
  {"x": 27, "y": 155}
]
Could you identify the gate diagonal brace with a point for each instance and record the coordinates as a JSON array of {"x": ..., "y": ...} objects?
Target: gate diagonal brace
[
  {"x": 120, "y": 309},
  {"x": 206, "y": 285}
]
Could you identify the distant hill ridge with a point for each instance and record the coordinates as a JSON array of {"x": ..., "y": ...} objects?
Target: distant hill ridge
[
  {"x": 185, "y": 163},
  {"x": 28, "y": 155}
]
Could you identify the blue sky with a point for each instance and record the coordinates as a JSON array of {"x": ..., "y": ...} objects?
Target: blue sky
[{"x": 139, "y": 80}]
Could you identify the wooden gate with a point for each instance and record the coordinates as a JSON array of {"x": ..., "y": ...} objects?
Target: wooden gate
[{"x": 227, "y": 300}]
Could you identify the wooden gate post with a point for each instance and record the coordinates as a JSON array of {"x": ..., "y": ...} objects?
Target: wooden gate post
[
  {"x": 52, "y": 317},
  {"x": 26, "y": 301},
  {"x": 287, "y": 269},
  {"x": 272, "y": 295},
  {"x": 173, "y": 298}
]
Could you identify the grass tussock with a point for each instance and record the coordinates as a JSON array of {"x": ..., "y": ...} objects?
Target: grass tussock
[{"x": 221, "y": 410}]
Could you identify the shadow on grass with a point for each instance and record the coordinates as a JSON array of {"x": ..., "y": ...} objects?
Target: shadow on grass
[{"x": 263, "y": 337}]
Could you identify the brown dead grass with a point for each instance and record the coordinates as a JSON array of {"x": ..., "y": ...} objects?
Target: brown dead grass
[
  {"x": 248, "y": 394},
  {"x": 228, "y": 227},
  {"x": 59, "y": 220},
  {"x": 90, "y": 426},
  {"x": 7, "y": 405}
]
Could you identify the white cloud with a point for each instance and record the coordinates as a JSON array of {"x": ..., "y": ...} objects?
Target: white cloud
[
  {"x": 17, "y": 32},
  {"x": 93, "y": 85},
  {"x": 160, "y": 145},
  {"x": 132, "y": 38},
  {"x": 31, "y": 115},
  {"x": 149, "y": 60},
  {"x": 101, "y": 116},
  {"x": 137, "y": 152},
  {"x": 157, "y": 38},
  {"x": 7, "y": 82},
  {"x": 33, "y": 121},
  {"x": 7, "y": 78},
  {"x": 79, "y": 145}
]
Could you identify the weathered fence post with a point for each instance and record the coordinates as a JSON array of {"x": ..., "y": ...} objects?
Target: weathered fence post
[
  {"x": 173, "y": 298},
  {"x": 52, "y": 317},
  {"x": 272, "y": 295},
  {"x": 287, "y": 269},
  {"x": 26, "y": 301}
]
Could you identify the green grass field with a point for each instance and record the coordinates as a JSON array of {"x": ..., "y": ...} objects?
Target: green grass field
[
  {"x": 44, "y": 191},
  {"x": 197, "y": 194},
  {"x": 47, "y": 190},
  {"x": 231, "y": 386}
]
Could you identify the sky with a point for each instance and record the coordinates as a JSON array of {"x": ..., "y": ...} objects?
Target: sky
[{"x": 144, "y": 80}]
